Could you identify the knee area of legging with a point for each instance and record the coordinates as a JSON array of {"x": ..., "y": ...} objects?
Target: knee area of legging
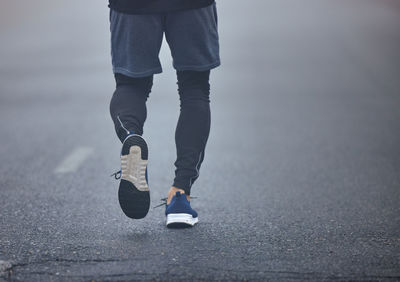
[
  {"x": 144, "y": 84},
  {"x": 188, "y": 80},
  {"x": 194, "y": 97}
]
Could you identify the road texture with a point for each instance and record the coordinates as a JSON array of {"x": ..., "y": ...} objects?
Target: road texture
[{"x": 301, "y": 179}]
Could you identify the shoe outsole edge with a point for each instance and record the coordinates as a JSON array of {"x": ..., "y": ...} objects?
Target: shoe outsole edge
[{"x": 181, "y": 220}]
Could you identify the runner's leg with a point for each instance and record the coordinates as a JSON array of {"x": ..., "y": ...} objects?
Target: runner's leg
[
  {"x": 128, "y": 104},
  {"x": 193, "y": 126}
]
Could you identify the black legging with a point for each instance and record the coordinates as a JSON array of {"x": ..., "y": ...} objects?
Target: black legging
[{"x": 128, "y": 111}]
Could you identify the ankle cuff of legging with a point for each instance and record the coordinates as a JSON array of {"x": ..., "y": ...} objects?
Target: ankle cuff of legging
[{"x": 179, "y": 185}]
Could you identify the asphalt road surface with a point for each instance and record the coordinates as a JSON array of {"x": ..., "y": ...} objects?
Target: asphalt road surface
[{"x": 301, "y": 179}]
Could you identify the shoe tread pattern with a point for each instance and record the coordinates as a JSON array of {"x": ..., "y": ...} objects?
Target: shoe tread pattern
[{"x": 134, "y": 203}]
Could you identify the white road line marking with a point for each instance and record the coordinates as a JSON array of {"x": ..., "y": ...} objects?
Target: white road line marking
[{"x": 72, "y": 162}]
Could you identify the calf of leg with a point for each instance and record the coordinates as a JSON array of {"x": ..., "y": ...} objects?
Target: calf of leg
[{"x": 128, "y": 104}]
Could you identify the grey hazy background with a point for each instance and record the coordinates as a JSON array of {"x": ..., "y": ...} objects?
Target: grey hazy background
[{"x": 302, "y": 172}]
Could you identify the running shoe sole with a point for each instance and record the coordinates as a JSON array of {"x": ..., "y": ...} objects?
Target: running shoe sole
[
  {"x": 133, "y": 193},
  {"x": 181, "y": 220}
]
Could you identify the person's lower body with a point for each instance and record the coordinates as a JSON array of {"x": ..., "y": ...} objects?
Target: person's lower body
[
  {"x": 128, "y": 112},
  {"x": 136, "y": 40}
]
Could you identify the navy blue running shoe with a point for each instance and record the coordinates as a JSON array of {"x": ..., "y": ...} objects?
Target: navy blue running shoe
[
  {"x": 179, "y": 213},
  {"x": 134, "y": 194}
]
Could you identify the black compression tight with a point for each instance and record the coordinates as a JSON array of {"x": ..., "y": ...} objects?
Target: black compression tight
[{"x": 128, "y": 111}]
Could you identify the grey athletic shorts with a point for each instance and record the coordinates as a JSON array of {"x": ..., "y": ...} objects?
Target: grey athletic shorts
[{"x": 192, "y": 36}]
